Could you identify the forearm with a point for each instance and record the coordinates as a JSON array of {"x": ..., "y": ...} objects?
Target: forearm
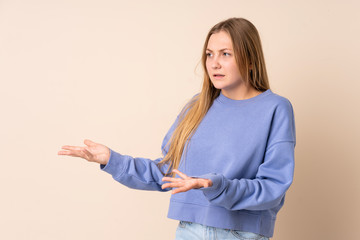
[
  {"x": 265, "y": 191},
  {"x": 137, "y": 173}
]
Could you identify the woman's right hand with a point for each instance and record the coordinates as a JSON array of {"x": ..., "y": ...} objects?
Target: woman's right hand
[{"x": 93, "y": 152}]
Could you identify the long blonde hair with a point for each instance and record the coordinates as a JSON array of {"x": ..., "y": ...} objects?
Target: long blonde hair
[{"x": 250, "y": 60}]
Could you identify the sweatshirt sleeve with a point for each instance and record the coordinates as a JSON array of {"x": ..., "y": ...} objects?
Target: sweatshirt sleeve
[
  {"x": 274, "y": 175},
  {"x": 138, "y": 173}
]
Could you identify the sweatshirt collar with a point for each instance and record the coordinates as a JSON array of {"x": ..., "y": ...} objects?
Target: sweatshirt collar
[{"x": 228, "y": 101}]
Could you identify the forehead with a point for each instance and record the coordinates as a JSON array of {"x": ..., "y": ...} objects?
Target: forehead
[{"x": 219, "y": 40}]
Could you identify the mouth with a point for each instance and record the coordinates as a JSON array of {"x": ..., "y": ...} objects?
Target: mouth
[{"x": 218, "y": 76}]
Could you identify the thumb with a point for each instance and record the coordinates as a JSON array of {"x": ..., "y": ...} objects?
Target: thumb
[{"x": 89, "y": 143}]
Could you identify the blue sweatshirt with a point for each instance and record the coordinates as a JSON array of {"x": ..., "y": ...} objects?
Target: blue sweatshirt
[{"x": 246, "y": 147}]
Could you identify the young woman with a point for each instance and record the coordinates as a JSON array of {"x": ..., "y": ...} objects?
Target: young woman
[{"x": 229, "y": 155}]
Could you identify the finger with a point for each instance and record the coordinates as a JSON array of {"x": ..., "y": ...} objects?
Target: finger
[
  {"x": 89, "y": 142},
  {"x": 70, "y": 153},
  {"x": 89, "y": 155},
  {"x": 75, "y": 152},
  {"x": 63, "y": 152},
  {"x": 172, "y": 185},
  {"x": 175, "y": 191},
  {"x": 186, "y": 186},
  {"x": 170, "y": 179},
  {"x": 67, "y": 147},
  {"x": 182, "y": 175},
  {"x": 165, "y": 185},
  {"x": 179, "y": 190}
]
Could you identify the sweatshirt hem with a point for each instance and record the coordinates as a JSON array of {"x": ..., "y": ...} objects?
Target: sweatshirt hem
[{"x": 242, "y": 220}]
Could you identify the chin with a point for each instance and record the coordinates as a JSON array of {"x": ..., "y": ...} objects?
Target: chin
[
  {"x": 219, "y": 86},
  {"x": 216, "y": 85}
]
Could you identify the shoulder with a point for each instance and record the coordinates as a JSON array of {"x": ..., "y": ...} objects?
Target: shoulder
[
  {"x": 195, "y": 96},
  {"x": 186, "y": 107},
  {"x": 190, "y": 101},
  {"x": 278, "y": 103},
  {"x": 282, "y": 119},
  {"x": 277, "y": 99}
]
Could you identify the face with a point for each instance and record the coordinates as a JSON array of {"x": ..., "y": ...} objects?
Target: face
[{"x": 221, "y": 64}]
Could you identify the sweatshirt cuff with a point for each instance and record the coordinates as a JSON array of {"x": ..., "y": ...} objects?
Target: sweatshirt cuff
[
  {"x": 217, "y": 185},
  {"x": 115, "y": 165}
]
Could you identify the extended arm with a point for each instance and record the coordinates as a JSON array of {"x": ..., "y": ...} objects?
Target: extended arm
[{"x": 137, "y": 173}]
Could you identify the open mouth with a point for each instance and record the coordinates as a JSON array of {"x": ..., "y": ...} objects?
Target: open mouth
[{"x": 218, "y": 75}]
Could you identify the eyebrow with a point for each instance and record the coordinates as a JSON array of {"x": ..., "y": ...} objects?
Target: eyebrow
[{"x": 221, "y": 50}]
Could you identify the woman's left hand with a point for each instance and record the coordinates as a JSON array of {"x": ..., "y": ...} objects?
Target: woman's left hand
[{"x": 184, "y": 183}]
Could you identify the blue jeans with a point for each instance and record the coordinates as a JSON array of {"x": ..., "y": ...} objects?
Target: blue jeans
[{"x": 194, "y": 231}]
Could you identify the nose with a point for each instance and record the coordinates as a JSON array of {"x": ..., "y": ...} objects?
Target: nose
[{"x": 215, "y": 63}]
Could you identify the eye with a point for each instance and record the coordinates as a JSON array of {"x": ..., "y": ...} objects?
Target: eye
[
  {"x": 226, "y": 54},
  {"x": 208, "y": 54}
]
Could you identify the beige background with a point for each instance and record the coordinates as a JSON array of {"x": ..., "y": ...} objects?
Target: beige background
[{"x": 118, "y": 72}]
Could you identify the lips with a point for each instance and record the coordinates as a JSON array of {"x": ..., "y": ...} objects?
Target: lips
[{"x": 218, "y": 76}]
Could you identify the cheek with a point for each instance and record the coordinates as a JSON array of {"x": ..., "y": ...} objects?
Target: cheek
[
  {"x": 207, "y": 66},
  {"x": 233, "y": 68}
]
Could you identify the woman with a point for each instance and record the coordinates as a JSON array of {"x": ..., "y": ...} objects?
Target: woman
[{"x": 229, "y": 155}]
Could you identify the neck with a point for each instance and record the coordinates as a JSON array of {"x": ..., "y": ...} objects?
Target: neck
[{"x": 242, "y": 93}]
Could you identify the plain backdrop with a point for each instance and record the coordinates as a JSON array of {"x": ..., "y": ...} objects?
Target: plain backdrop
[{"x": 119, "y": 72}]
